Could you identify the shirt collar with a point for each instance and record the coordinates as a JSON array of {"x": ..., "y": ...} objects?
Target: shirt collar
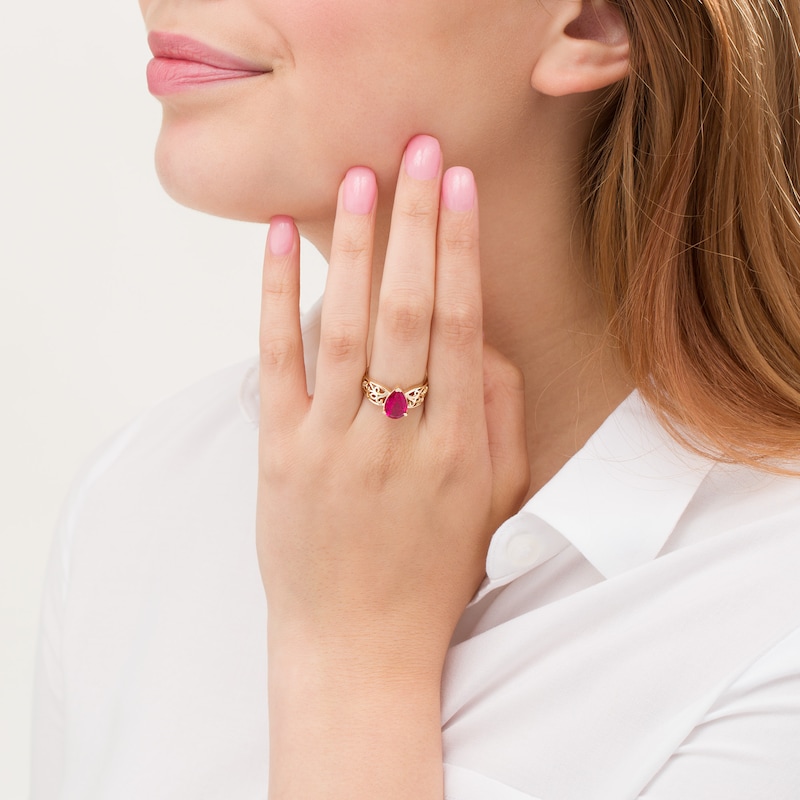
[{"x": 620, "y": 497}]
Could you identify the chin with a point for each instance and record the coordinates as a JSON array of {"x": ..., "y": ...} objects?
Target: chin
[
  {"x": 207, "y": 179},
  {"x": 242, "y": 180}
]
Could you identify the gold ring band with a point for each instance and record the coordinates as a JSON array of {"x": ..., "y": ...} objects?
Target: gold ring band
[{"x": 394, "y": 402}]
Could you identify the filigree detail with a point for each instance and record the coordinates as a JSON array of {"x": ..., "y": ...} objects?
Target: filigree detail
[
  {"x": 377, "y": 394},
  {"x": 416, "y": 396}
]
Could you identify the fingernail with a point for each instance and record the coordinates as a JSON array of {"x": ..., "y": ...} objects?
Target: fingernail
[
  {"x": 280, "y": 238},
  {"x": 423, "y": 157},
  {"x": 458, "y": 189},
  {"x": 359, "y": 190}
]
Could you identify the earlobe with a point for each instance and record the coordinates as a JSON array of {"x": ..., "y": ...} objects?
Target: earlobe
[{"x": 584, "y": 52}]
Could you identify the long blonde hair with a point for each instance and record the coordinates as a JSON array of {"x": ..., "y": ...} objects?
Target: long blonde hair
[{"x": 693, "y": 216}]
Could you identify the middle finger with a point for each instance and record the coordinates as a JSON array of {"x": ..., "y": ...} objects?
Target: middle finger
[{"x": 403, "y": 324}]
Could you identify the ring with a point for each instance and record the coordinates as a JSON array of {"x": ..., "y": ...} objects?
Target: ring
[{"x": 394, "y": 402}]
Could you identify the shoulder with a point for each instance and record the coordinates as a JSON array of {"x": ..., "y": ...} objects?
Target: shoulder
[
  {"x": 170, "y": 453},
  {"x": 219, "y": 400}
]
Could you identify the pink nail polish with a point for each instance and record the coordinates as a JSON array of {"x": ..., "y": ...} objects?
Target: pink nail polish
[
  {"x": 423, "y": 157},
  {"x": 458, "y": 189},
  {"x": 280, "y": 238},
  {"x": 359, "y": 190}
]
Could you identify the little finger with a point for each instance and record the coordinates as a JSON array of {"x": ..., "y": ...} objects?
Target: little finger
[{"x": 283, "y": 392}]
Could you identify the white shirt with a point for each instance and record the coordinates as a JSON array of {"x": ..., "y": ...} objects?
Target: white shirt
[{"x": 637, "y": 635}]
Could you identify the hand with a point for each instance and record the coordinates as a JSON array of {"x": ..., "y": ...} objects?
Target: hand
[{"x": 372, "y": 532}]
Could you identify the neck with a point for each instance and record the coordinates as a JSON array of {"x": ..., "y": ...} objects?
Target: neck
[{"x": 542, "y": 313}]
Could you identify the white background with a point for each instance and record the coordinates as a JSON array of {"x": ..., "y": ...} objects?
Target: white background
[{"x": 112, "y": 297}]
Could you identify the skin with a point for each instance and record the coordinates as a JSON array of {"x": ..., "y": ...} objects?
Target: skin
[
  {"x": 352, "y": 82},
  {"x": 403, "y": 509}
]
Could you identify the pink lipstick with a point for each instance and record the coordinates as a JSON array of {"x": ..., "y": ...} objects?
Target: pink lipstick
[{"x": 181, "y": 63}]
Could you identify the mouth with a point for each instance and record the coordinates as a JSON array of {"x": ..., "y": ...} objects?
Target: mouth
[{"x": 181, "y": 63}]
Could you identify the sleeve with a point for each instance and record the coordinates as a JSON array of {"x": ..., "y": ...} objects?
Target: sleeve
[{"x": 748, "y": 745}]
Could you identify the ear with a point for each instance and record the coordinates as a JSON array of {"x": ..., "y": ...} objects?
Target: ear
[{"x": 586, "y": 48}]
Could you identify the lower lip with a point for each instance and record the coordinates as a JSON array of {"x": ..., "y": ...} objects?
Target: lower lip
[{"x": 172, "y": 75}]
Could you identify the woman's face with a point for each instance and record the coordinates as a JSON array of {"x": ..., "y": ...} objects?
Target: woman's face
[{"x": 350, "y": 82}]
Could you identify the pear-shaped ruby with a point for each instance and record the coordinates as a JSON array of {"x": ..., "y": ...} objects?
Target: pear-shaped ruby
[{"x": 396, "y": 405}]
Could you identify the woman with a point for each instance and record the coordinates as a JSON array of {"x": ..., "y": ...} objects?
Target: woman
[{"x": 559, "y": 565}]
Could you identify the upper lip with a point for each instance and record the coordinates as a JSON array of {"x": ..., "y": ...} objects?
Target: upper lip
[{"x": 184, "y": 48}]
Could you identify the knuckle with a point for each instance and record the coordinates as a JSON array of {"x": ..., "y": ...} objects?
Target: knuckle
[
  {"x": 382, "y": 465},
  {"x": 352, "y": 249},
  {"x": 459, "y": 322},
  {"x": 279, "y": 288},
  {"x": 318, "y": 464},
  {"x": 459, "y": 238},
  {"x": 453, "y": 451},
  {"x": 291, "y": 458},
  {"x": 345, "y": 344},
  {"x": 379, "y": 473},
  {"x": 407, "y": 317},
  {"x": 277, "y": 351},
  {"x": 420, "y": 210}
]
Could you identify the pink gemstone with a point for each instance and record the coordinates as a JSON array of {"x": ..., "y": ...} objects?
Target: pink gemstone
[{"x": 396, "y": 405}]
